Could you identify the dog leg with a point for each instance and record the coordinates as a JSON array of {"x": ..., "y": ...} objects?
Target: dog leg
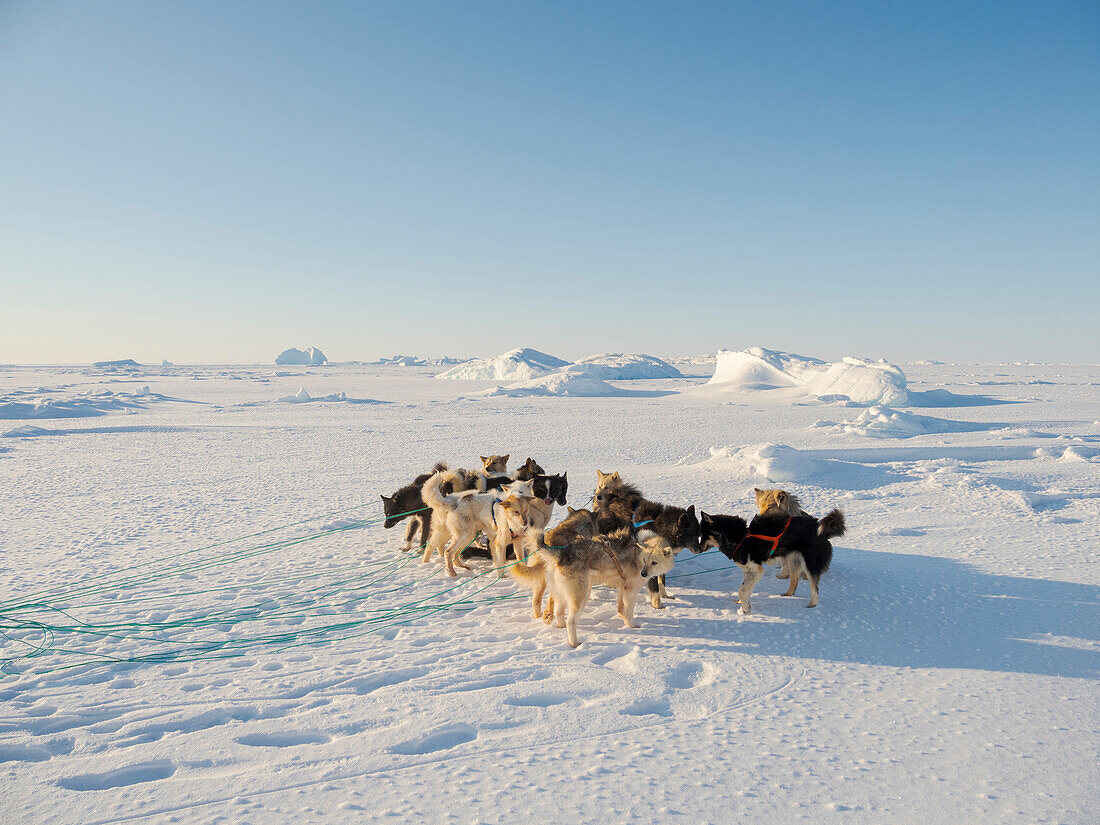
[
  {"x": 410, "y": 531},
  {"x": 814, "y": 581},
  {"x": 550, "y": 613},
  {"x": 627, "y": 600},
  {"x": 576, "y": 594},
  {"x": 654, "y": 588},
  {"x": 453, "y": 551},
  {"x": 753, "y": 572},
  {"x": 794, "y": 564},
  {"x": 784, "y": 570},
  {"x": 425, "y": 527},
  {"x": 664, "y": 593},
  {"x": 536, "y": 598}
]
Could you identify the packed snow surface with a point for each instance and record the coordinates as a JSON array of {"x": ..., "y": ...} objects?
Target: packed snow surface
[
  {"x": 206, "y": 622},
  {"x": 514, "y": 365},
  {"x": 859, "y": 380},
  {"x": 299, "y": 357},
  {"x": 617, "y": 366}
]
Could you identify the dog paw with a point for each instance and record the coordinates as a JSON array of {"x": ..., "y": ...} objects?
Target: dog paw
[{"x": 744, "y": 610}]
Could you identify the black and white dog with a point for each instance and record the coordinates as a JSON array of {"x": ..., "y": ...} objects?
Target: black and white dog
[{"x": 802, "y": 540}]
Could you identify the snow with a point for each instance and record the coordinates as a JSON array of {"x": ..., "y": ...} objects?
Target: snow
[
  {"x": 616, "y": 366},
  {"x": 514, "y": 365},
  {"x": 299, "y": 357},
  {"x": 55, "y": 403},
  {"x": 859, "y": 380},
  {"x": 884, "y": 422},
  {"x": 949, "y": 673},
  {"x": 566, "y": 382}
]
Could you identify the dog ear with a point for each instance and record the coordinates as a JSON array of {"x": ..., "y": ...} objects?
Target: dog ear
[
  {"x": 615, "y": 476},
  {"x": 691, "y": 511},
  {"x": 484, "y": 461},
  {"x": 781, "y": 497},
  {"x": 565, "y": 475},
  {"x": 570, "y": 509},
  {"x": 386, "y": 499},
  {"x": 601, "y": 476},
  {"x": 505, "y": 458},
  {"x": 757, "y": 490}
]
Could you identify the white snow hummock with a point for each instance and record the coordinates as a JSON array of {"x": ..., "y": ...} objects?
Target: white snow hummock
[
  {"x": 565, "y": 382},
  {"x": 303, "y": 397},
  {"x": 856, "y": 379},
  {"x": 884, "y": 422},
  {"x": 514, "y": 365},
  {"x": 617, "y": 366},
  {"x": 301, "y": 358}
]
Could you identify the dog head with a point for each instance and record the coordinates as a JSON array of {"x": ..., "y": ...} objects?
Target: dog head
[
  {"x": 529, "y": 469},
  {"x": 686, "y": 532},
  {"x": 610, "y": 487},
  {"x": 392, "y": 511},
  {"x": 495, "y": 463},
  {"x": 713, "y": 530},
  {"x": 552, "y": 488},
  {"x": 657, "y": 554},
  {"x": 777, "y": 501},
  {"x": 514, "y": 512},
  {"x": 522, "y": 489}
]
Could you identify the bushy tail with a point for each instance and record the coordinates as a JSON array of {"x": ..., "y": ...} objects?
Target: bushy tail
[
  {"x": 529, "y": 574},
  {"x": 440, "y": 467},
  {"x": 832, "y": 525},
  {"x": 431, "y": 493}
]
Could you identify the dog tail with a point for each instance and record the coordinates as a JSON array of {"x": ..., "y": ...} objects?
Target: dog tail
[
  {"x": 530, "y": 573},
  {"x": 832, "y": 525},
  {"x": 430, "y": 492},
  {"x": 440, "y": 467}
]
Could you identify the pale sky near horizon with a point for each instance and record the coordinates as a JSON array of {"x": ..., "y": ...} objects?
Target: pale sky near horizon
[{"x": 215, "y": 182}]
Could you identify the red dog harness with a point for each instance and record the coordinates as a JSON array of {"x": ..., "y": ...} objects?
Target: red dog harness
[{"x": 773, "y": 539}]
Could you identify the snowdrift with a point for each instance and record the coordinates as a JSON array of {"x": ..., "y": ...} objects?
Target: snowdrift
[
  {"x": 781, "y": 464},
  {"x": 617, "y": 366},
  {"x": 855, "y": 379},
  {"x": 46, "y": 404},
  {"x": 514, "y": 365},
  {"x": 884, "y": 422},
  {"x": 565, "y": 382},
  {"x": 301, "y": 358}
]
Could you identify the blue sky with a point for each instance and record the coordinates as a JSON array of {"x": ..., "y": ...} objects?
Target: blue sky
[{"x": 214, "y": 182}]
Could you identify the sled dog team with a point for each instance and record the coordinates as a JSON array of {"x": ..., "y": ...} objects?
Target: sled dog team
[{"x": 625, "y": 541}]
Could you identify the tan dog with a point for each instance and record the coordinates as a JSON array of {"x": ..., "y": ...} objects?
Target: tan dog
[
  {"x": 619, "y": 560},
  {"x": 464, "y": 515},
  {"x": 779, "y": 502}
]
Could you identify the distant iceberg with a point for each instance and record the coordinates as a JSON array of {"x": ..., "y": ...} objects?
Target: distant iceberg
[{"x": 301, "y": 358}]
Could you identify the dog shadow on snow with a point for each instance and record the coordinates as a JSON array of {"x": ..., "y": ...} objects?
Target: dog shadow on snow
[{"x": 900, "y": 610}]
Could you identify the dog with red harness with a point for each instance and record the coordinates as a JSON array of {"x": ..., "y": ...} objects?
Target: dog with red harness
[{"x": 801, "y": 541}]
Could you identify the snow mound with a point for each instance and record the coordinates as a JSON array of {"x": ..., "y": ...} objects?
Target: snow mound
[
  {"x": 781, "y": 464},
  {"x": 514, "y": 365},
  {"x": 856, "y": 379},
  {"x": 299, "y": 358},
  {"x": 765, "y": 462},
  {"x": 88, "y": 405},
  {"x": 27, "y": 431},
  {"x": 617, "y": 366},
  {"x": 303, "y": 397},
  {"x": 884, "y": 422},
  {"x": 565, "y": 382}
]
